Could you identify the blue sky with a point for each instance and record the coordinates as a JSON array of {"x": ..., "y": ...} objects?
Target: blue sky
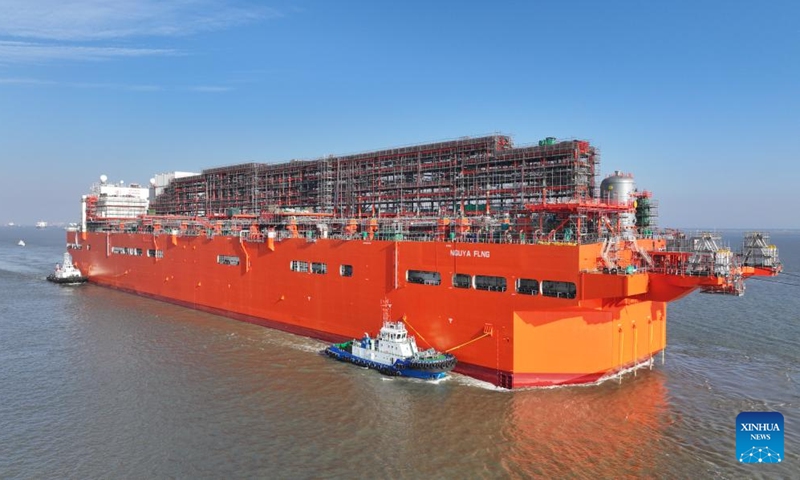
[{"x": 699, "y": 100}]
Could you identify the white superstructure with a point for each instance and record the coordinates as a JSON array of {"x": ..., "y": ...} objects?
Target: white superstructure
[
  {"x": 66, "y": 272},
  {"x": 67, "y": 269},
  {"x": 392, "y": 344},
  {"x": 119, "y": 200}
]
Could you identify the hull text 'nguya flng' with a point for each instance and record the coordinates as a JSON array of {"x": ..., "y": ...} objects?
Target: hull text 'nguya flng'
[{"x": 513, "y": 256}]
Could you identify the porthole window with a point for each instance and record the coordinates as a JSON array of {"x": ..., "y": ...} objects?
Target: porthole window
[
  {"x": 551, "y": 288},
  {"x": 423, "y": 277},
  {"x": 299, "y": 266},
  {"x": 527, "y": 286},
  {"x": 462, "y": 280},
  {"x": 491, "y": 284}
]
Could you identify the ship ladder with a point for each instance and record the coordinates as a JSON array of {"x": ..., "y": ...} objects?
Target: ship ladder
[
  {"x": 643, "y": 253},
  {"x": 608, "y": 252},
  {"x": 244, "y": 249},
  {"x": 155, "y": 247}
]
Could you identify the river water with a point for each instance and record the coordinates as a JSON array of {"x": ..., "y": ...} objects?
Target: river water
[{"x": 96, "y": 383}]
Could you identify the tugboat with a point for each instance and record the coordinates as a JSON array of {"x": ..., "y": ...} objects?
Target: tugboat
[
  {"x": 67, "y": 273},
  {"x": 393, "y": 352}
]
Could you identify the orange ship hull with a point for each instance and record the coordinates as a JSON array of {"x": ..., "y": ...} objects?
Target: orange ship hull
[{"x": 499, "y": 335}]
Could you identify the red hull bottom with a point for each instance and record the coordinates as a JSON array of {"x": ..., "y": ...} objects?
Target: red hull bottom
[{"x": 500, "y": 378}]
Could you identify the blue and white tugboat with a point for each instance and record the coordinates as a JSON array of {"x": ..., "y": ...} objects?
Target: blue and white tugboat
[
  {"x": 393, "y": 352},
  {"x": 66, "y": 272}
]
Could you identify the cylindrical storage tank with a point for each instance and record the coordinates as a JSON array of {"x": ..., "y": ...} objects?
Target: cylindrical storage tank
[{"x": 617, "y": 188}]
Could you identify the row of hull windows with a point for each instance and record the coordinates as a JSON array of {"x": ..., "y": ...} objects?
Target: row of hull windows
[
  {"x": 296, "y": 265},
  {"x": 318, "y": 268},
  {"x": 136, "y": 252},
  {"x": 523, "y": 286},
  {"x": 309, "y": 267}
]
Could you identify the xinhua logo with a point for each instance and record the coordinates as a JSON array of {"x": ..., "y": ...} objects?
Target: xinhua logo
[{"x": 759, "y": 437}]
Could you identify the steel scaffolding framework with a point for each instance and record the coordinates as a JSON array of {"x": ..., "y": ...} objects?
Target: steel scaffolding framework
[{"x": 470, "y": 176}]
